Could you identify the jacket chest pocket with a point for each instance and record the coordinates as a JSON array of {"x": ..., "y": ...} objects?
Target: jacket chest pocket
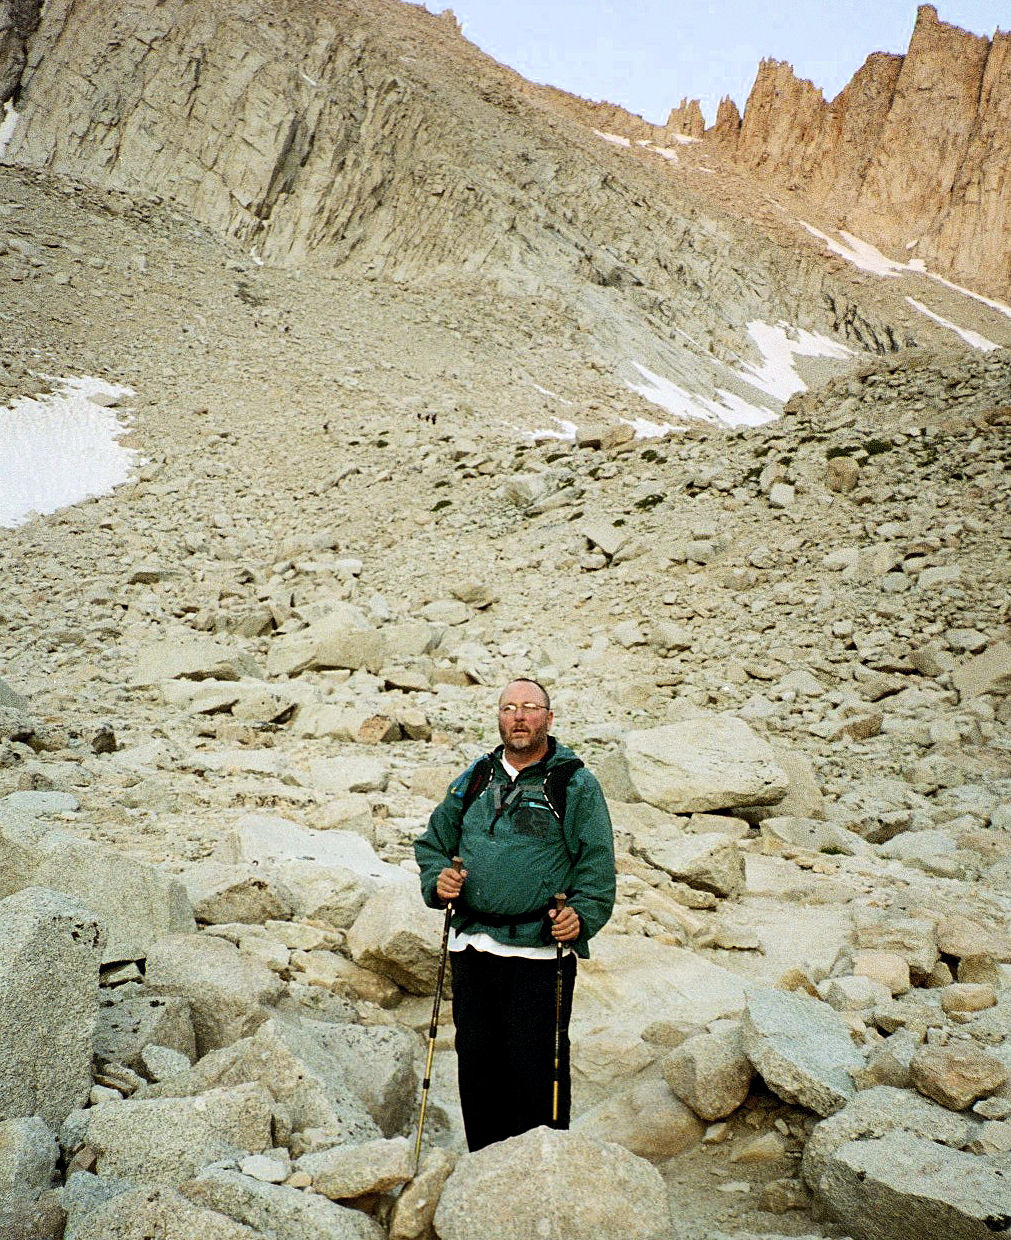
[{"x": 533, "y": 818}]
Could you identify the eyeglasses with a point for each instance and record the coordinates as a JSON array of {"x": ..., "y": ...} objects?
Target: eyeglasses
[{"x": 528, "y": 708}]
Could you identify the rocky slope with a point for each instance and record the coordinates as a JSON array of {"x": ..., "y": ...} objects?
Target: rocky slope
[{"x": 232, "y": 690}]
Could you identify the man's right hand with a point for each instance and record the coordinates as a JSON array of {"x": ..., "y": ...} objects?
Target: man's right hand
[{"x": 449, "y": 884}]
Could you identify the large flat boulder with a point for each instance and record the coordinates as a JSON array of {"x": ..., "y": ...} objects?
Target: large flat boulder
[
  {"x": 631, "y": 984},
  {"x": 555, "y": 1186},
  {"x": 903, "y": 1187},
  {"x": 168, "y": 1140},
  {"x": 145, "y": 1212},
  {"x": 137, "y": 902},
  {"x": 50, "y": 954},
  {"x": 801, "y": 1048},
  {"x": 297, "y": 1067},
  {"x": 701, "y": 764},
  {"x": 277, "y": 1210},
  {"x": 342, "y": 639},
  {"x": 875, "y": 1112},
  {"x": 193, "y": 658}
]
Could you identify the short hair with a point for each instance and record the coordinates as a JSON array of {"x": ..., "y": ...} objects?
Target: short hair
[{"x": 529, "y": 680}]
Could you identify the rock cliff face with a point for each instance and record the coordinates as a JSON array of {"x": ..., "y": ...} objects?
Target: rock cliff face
[
  {"x": 915, "y": 152},
  {"x": 18, "y": 18},
  {"x": 371, "y": 134}
]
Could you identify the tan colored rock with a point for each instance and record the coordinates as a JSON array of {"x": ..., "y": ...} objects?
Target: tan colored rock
[
  {"x": 957, "y": 1075},
  {"x": 553, "y": 1184},
  {"x": 414, "y": 1209},
  {"x": 646, "y": 1118},
  {"x": 958, "y": 935},
  {"x": 349, "y": 1171},
  {"x": 710, "y": 1073},
  {"x": 968, "y": 997},
  {"x": 842, "y": 474},
  {"x": 889, "y": 968}
]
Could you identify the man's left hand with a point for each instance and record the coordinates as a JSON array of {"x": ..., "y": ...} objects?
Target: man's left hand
[{"x": 565, "y": 925}]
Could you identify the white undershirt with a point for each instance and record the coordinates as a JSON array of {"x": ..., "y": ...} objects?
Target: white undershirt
[{"x": 460, "y": 940}]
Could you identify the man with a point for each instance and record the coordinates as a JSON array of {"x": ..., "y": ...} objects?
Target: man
[{"x": 517, "y": 853}]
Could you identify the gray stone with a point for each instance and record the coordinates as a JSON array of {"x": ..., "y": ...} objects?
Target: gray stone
[
  {"x": 295, "y": 1065},
  {"x": 227, "y": 991},
  {"x": 703, "y": 764},
  {"x": 553, "y": 1186},
  {"x": 125, "y": 1027},
  {"x": 50, "y": 952},
  {"x": 711, "y": 1073},
  {"x": 348, "y": 1171},
  {"x": 168, "y": 1140},
  {"x": 28, "y": 1154},
  {"x": 875, "y": 1112},
  {"x": 901, "y": 1187},
  {"x": 145, "y": 1212},
  {"x": 221, "y": 893},
  {"x": 137, "y": 902},
  {"x": 160, "y": 1063},
  {"x": 710, "y": 861},
  {"x": 10, "y": 699},
  {"x": 280, "y": 1212},
  {"x": 377, "y": 1063},
  {"x": 801, "y": 1048},
  {"x": 396, "y": 935}
]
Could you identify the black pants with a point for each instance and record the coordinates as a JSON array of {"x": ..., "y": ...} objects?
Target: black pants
[{"x": 504, "y": 1011}]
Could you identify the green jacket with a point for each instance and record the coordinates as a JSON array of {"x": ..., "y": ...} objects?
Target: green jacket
[{"x": 518, "y": 857}]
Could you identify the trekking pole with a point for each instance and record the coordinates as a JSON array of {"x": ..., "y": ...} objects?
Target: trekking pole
[
  {"x": 433, "y": 1029},
  {"x": 558, "y": 902}
]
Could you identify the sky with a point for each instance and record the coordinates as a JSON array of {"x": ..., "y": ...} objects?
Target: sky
[{"x": 648, "y": 54}]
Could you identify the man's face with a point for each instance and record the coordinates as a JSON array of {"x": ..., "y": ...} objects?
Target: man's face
[{"x": 524, "y": 729}]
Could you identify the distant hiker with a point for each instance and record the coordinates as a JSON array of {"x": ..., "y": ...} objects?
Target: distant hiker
[{"x": 528, "y": 820}]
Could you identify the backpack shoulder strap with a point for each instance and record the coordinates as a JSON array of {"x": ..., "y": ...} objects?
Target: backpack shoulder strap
[
  {"x": 477, "y": 780},
  {"x": 556, "y": 785}
]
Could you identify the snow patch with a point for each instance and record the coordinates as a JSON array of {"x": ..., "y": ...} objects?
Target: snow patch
[
  {"x": 970, "y": 337},
  {"x": 779, "y": 344},
  {"x": 8, "y": 123},
  {"x": 645, "y": 429},
  {"x": 728, "y": 409},
  {"x": 860, "y": 253},
  {"x": 865, "y": 256},
  {"x": 615, "y": 138},
  {"x": 566, "y": 431},
  {"x": 58, "y": 449}
]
